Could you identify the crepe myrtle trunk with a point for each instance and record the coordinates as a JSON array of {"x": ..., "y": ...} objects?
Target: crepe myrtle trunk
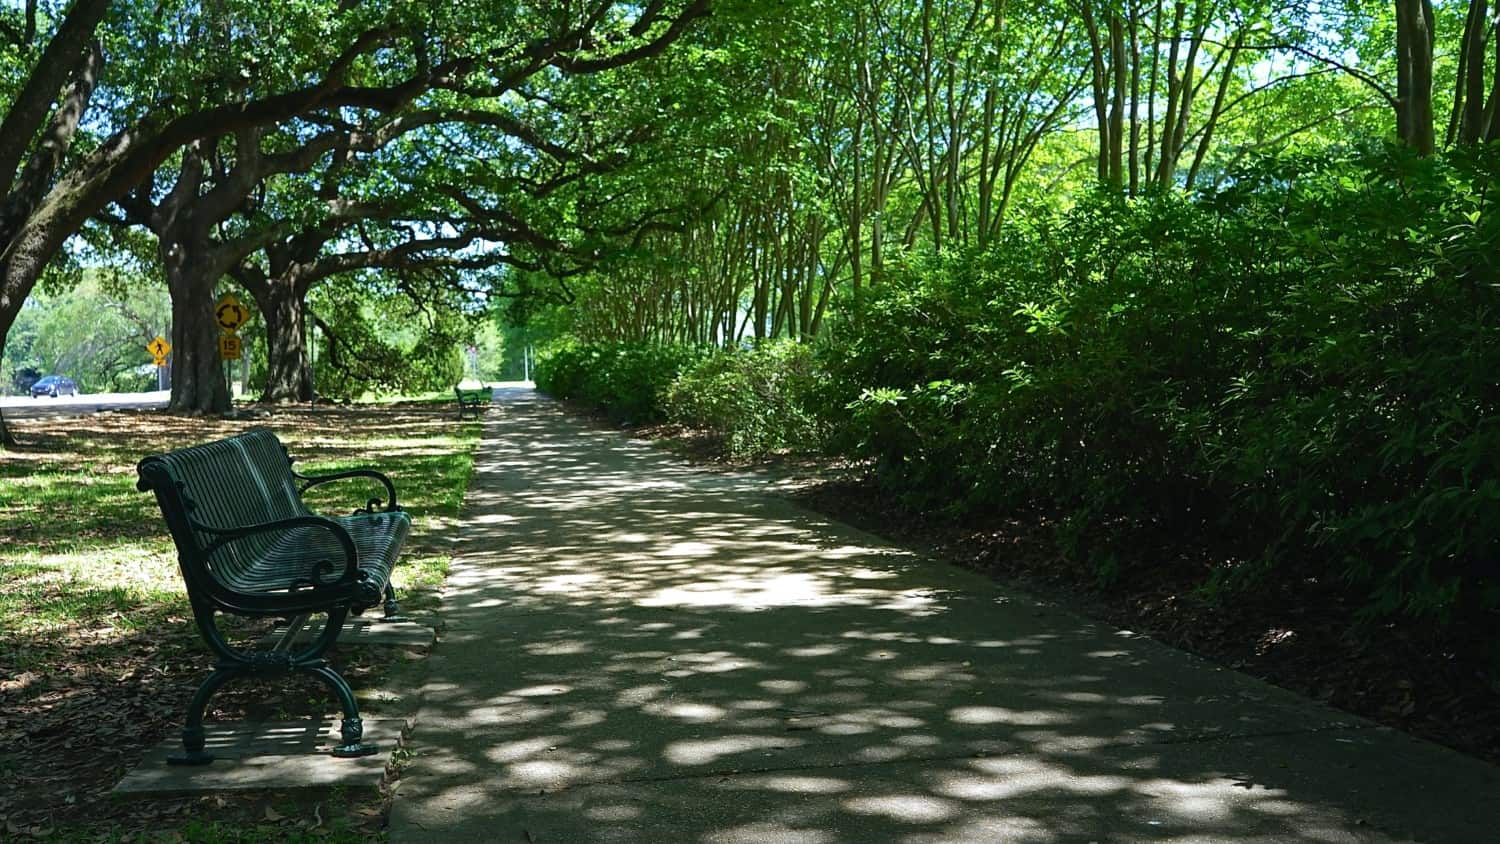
[
  {"x": 288, "y": 377},
  {"x": 198, "y": 384}
]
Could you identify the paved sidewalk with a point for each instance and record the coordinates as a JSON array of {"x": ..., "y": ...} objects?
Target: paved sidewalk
[{"x": 636, "y": 651}]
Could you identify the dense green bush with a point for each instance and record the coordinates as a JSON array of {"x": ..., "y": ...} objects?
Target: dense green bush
[
  {"x": 1302, "y": 368},
  {"x": 1306, "y": 360},
  {"x": 626, "y": 380},
  {"x": 757, "y": 398}
]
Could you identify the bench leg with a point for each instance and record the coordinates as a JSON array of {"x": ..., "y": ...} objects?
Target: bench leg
[
  {"x": 352, "y": 729},
  {"x": 192, "y": 734},
  {"x": 392, "y": 607},
  {"x": 234, "y": 663}
]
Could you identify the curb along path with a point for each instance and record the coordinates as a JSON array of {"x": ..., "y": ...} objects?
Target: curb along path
[{"x": 638, "y": 651}]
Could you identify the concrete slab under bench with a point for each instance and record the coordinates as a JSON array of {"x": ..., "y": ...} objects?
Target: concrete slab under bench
[{"x": 264, "y": 755}]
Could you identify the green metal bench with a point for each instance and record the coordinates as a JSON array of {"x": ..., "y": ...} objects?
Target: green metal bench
[
  {"x": 472, "y": 402},
  {"x": 248, "y": 546}
]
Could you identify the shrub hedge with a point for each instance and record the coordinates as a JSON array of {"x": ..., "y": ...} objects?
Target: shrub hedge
[
  {"x": 1306, "y": 362},
  {"x": 758, "y": 398}
]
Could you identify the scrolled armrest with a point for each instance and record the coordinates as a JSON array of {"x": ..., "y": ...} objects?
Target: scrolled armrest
[
  {"x": 224, "y": 536},
  {"x": 310, "y": 481}
]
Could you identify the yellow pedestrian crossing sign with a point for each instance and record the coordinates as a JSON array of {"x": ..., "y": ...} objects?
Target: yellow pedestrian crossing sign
[
  {"x": 159, "y": 349},
  {"x": 230, "y": 314}
]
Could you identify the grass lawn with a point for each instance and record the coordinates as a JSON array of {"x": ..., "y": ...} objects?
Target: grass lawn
[{"x": 98, "y": 653}]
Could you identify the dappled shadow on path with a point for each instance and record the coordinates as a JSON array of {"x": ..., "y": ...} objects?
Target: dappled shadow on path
[{"x": 637, "y": 651}]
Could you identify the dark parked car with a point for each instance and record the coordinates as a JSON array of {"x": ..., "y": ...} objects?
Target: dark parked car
[{"x": 54, "y": 386}]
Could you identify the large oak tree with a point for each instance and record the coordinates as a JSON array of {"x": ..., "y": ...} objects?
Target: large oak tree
[{"x": 200, "y": 74}]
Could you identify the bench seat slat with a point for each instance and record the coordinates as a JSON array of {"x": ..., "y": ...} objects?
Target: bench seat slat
[
  {"x": 378, "y": 538},
  {"x": 247, "y": 480},
  {"x": 235, "y": 482}
]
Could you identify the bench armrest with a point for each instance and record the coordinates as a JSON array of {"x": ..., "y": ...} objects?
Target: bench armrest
[
  {"x": 224, "y": 536},
  {"x": 310, "y": 481},
  {"x": 480, "y": 395}
]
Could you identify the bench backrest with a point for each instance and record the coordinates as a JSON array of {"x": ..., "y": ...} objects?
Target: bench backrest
[{"x": 235, "y": 482}]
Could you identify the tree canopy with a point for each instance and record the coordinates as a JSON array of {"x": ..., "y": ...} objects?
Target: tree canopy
[
  {"x": 1141, "y": 261},
  {"x": 180, "y": 114}
]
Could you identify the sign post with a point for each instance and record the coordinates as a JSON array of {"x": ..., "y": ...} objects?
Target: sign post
[{"x": 230, "y": 315}]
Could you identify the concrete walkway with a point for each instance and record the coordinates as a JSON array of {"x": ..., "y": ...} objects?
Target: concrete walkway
[{"x": 637, "y": 651}]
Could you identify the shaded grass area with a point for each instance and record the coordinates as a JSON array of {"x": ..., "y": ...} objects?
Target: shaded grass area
[{"x": 98, "y": 652}]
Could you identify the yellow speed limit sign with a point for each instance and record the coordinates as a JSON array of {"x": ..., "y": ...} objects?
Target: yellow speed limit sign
[
  {"x": 229, "y": 346},
  {"x": 230, "y": 314}
]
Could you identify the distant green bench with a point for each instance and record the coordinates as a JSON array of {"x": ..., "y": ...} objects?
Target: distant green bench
[
  {"x": 248, "y": 546},
  {"x": 471, "y": 402}
]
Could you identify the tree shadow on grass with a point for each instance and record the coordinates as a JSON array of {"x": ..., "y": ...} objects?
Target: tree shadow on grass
[{"x": 98, "y": 652}]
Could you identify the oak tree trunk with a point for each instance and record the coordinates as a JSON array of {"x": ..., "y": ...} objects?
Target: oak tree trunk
[
  {"x": 288, "y": 376},
  {"x": 198, "y": 384}
]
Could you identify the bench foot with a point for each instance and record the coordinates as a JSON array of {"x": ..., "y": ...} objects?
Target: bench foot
[
  {"x": 192, "y": 734},
  {"x": 192, "y": 747},
  {"x": 392, "y": 607},
  {"x": 351, "y": 731},
  {"x": 234, "y": 663},
  {"x": 353, "y": 727}
]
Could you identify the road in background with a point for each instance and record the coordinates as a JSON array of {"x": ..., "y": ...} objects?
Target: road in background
[{"x": 24, "y": 407}]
